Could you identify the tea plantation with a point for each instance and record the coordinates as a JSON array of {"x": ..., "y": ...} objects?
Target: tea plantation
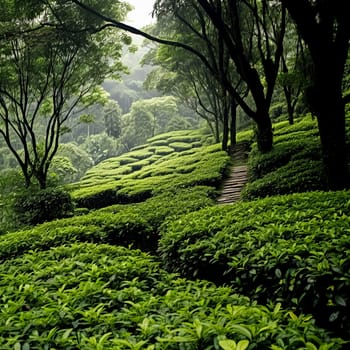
[{"x": 150, "y": 261}]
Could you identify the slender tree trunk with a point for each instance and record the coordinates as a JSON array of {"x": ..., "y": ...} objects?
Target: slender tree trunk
[
  {"x": 225, "y": 134},
  {"x": 217, "y": 130},
  {"x": 290, "y": 108},
  {"x": 233, "y": 126},
  {"x": 225, "y": 124},
  {"x": 27, "y": 181},
  {"x": 264, "y": 132},
  {"x": 42, "y": 178}
]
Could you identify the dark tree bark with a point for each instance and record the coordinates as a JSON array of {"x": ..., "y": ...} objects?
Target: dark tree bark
[
  {"x": 233, "y": 121},
  {"x": 232, "y": 33},
  {"x": 325, "y": 27}
]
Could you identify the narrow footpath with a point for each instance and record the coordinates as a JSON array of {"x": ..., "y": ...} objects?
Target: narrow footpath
[{"x": 233, "y": 185}]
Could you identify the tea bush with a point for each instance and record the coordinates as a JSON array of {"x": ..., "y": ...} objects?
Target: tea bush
[
  {"x": 294, "y": 249},
  {"x": 85, "y": 296},
  {"x": 300, "y": 175},
  {"x": 128, "y": 225},
  {"x": 281, "y": 155},
  {"x": 293, "y": 165},
  {"x": 33, "y": 207},
  {"x": 103, "y": 185}
]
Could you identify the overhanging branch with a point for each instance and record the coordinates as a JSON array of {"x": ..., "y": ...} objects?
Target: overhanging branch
[{"x": 139, "y": 32}]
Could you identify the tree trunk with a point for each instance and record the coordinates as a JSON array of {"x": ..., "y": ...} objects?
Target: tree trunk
[
  {"x": 327, "y": 36},
  {"x": 42, "y": 180},
  {"x": 233, "y": 126},
  {"x": 264, "y": 132},
  {"x": 290, "y": 108},
  {"x": 225, "y": 124},
  {"x": 217, "y": 130},
  {"x": 225, "y": 134},
  {"x": 329, "y": 109}
]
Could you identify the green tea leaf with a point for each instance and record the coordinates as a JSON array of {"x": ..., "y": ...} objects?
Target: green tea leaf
[
  {"x": 67, "y": 333},
  {"x": 310, "y": 346},
  {"x": 340, "y": 300},
  {"x": 228, "y": 344},
  {"x": 242, "y": 344},
  {"x": 292, "y": 315}
]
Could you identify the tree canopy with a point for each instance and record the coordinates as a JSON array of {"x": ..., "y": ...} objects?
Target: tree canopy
[
  {"x": 244, "y": 39},
  {"x": 51, "y": 67},
  {"x": 260, "y": 27}
]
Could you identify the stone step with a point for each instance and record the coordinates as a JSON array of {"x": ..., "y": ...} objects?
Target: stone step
[{"x": 233, "y": 185}]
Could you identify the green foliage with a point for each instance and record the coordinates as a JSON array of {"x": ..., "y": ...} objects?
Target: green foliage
[
  {"x": 63, "y": 168},
  {"x": 293, "y": 249},
  {"x": 103, "y": 297},
  {"x": 101, "y": 146},
  {"x": 62, "y": 71},
  {"x": 149, "y": 117},
  {"x": 135, "y": 225},
  {"x": 180, "y": 146},
  {"x": 11, "y": 183},
  {"x": 35, "y": 206},
  {"x": 67, "y": 284},
  {"x": 298, "y": 175},
  {"x": 79, "y": 159},
  {"x": 293, "y": 165},
  {"x": 143, "y": 172},
  {"x": 163, "y": 150}
]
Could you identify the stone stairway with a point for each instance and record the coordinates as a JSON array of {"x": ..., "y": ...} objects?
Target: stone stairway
[{"x": 233, "y": 185}]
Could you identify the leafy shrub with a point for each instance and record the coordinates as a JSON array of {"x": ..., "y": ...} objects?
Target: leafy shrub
[
  {"x": 33, "y": 208},
  {"x": 300, "y": 175},
  {"x": 123, "y": 160},
  {"x": 102, "y": 186},
  {"x": 159, "y": 143},
  {"x": 293, "y": 165},
  {"x": 100, "y": 198},
  {"x": 290, "y": 248},
  {"x": 180, "y": 146},
  {"x": 282, "y": 154},
  {"x": 11, "y": 182},
  {"x": 245, "y": 136},
  {"x": 101, "y": 297},
  {"x": 305, "y": 123},
  {"x": 164, "y": 150},
  {"x": 135, "y": 225}
]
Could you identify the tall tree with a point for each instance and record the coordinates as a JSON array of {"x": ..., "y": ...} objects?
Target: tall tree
[
  {"x": 294, "y": 74},
  {"x": 46, "y": 72},
  {"x": 253, "y": 33},
  {"x": 187, "y": 76},
  {"x": 267, "y": 25},
  {"x": 325, "y": 27}
]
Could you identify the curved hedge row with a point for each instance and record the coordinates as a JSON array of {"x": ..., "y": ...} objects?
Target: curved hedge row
[
  {"x": 293, "y": 165},
  {"x": 103, "y": 186},
  {"x": 128, "y": 225},
  {"x": 294, "y": 249}
]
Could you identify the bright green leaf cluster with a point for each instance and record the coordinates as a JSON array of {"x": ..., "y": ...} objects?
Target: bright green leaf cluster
[
  {"x": 291, "y": 248},
  {"x": 102, "y": 297}
]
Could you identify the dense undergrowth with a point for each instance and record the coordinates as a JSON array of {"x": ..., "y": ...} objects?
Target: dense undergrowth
[
  {"x": 294, "y": 249},
  {"x": 294, "y": 164},
  {"x": 272, "y": 273},
  {"x": 86, "y": 296}
]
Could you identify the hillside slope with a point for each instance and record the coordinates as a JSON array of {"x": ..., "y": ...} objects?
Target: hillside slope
[{"x": 132, "y": 270}]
